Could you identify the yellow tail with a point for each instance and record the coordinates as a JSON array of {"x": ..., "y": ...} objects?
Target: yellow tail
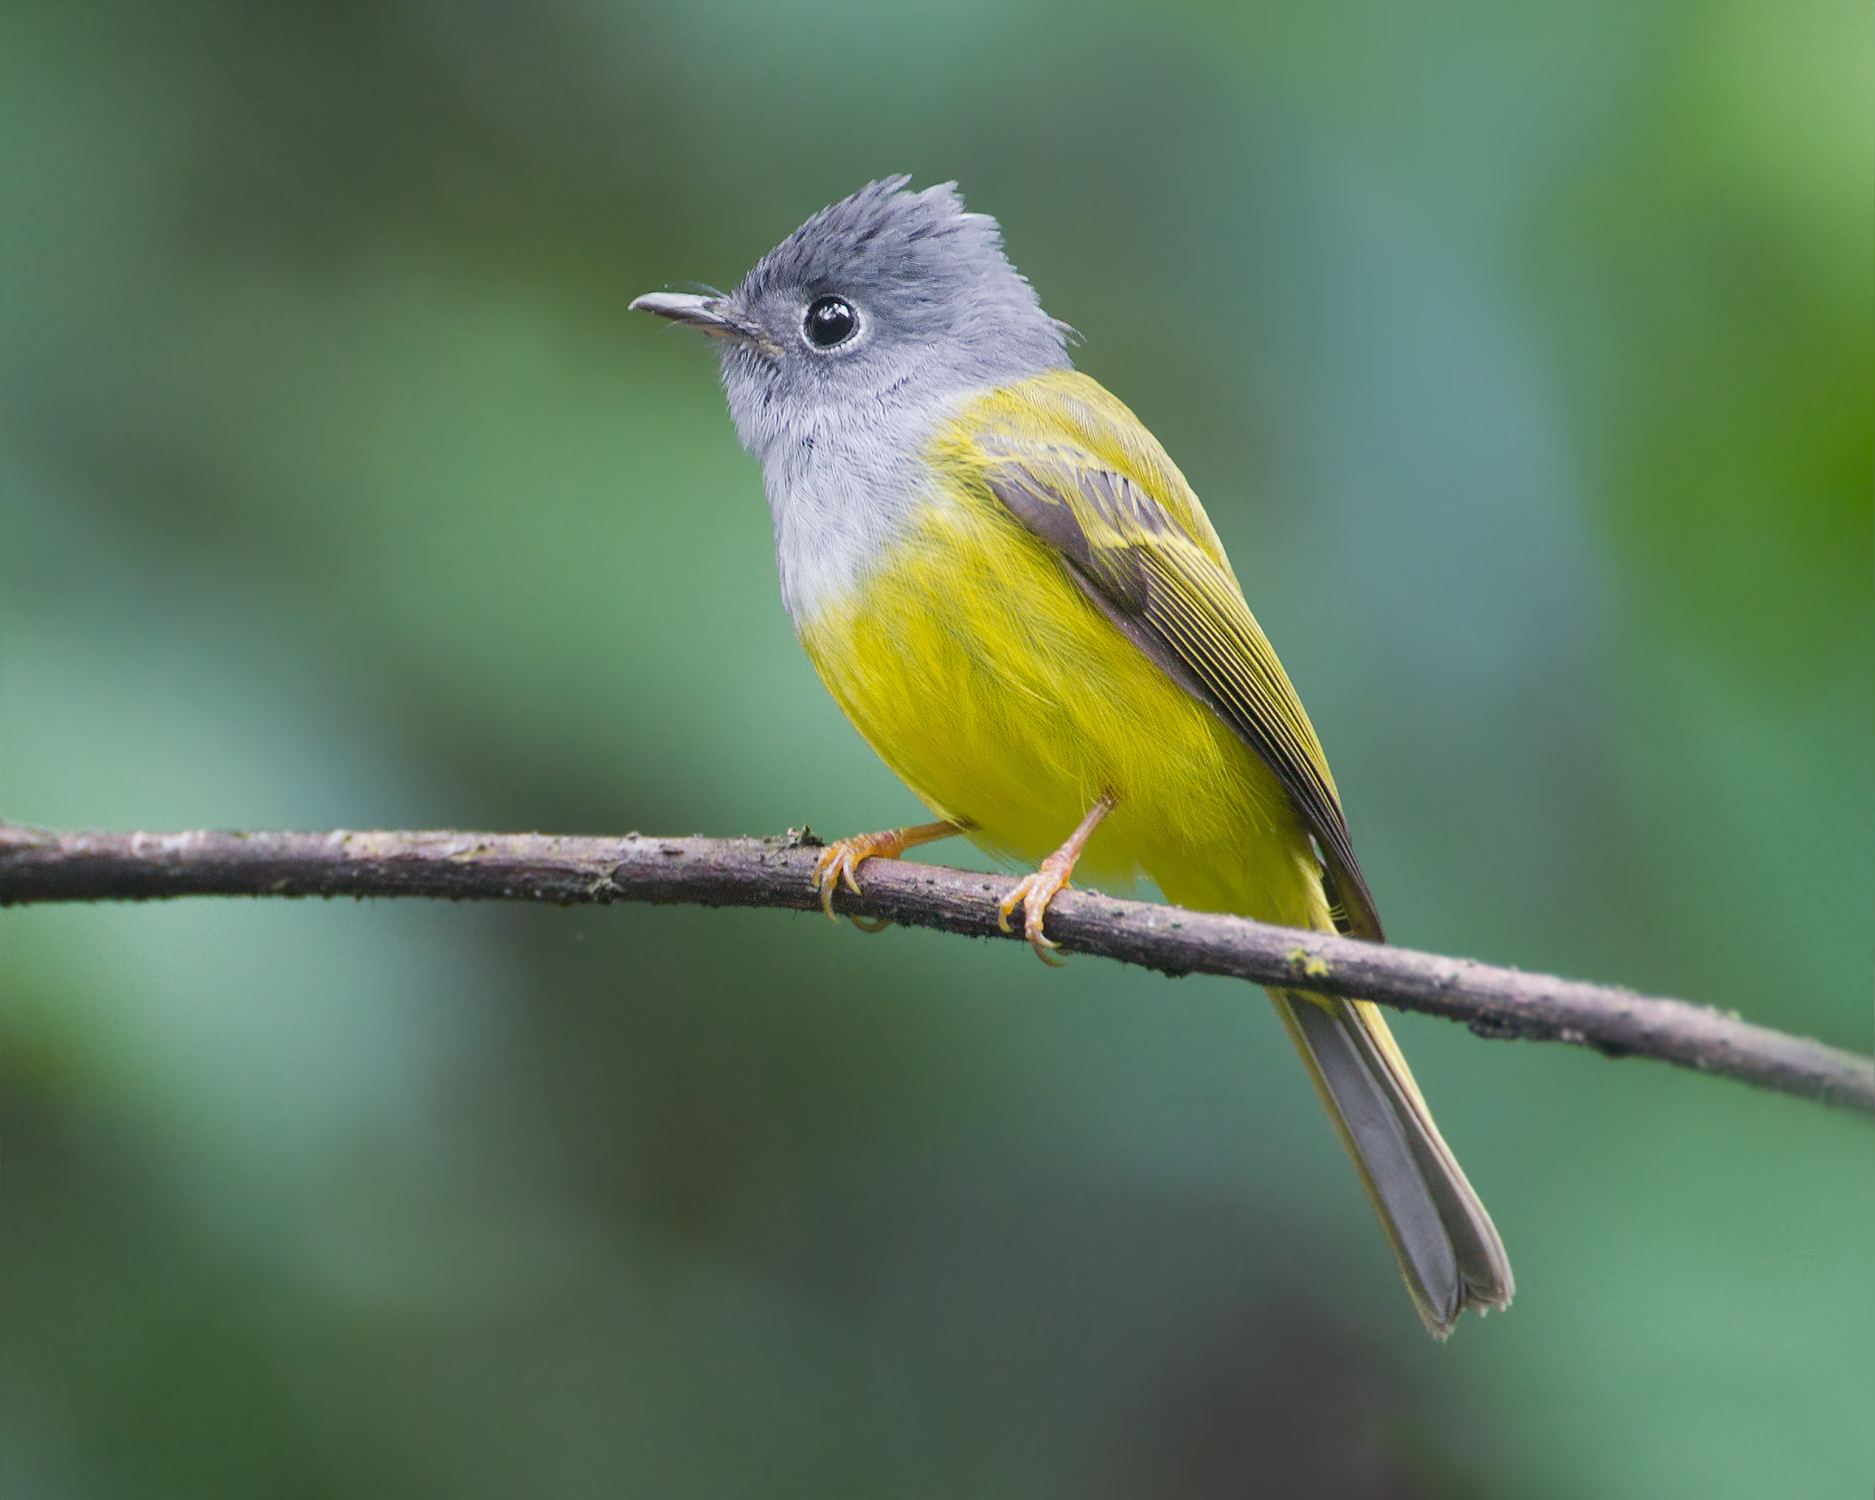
[{"x": 1450, "y": 1255}]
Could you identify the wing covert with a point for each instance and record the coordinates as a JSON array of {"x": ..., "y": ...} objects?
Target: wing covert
[{"x": 1164, "y": 589}]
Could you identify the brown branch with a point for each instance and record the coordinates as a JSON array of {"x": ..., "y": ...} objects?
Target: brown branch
[{"x": 38, "y": 866}]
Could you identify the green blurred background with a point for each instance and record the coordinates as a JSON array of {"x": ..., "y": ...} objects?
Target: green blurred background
[{"x": 1523, "y": 357}]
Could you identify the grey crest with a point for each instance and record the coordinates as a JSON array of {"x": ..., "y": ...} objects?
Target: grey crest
[{"x": 939, "y": 309}]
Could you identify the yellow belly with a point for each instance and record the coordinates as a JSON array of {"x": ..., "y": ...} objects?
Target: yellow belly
[{"x": 1007, "y": 702}]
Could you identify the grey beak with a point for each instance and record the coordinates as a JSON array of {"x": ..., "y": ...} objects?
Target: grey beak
[
  {"x": 682, "y": 307},
  {"x": 717, "y": 315}
]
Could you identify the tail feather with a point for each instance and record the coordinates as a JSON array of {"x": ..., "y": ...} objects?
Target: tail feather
[{"x": 1449, "y": 1252}]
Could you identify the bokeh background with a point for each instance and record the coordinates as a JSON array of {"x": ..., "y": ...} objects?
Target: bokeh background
[{"x": 1522, "y": 356}]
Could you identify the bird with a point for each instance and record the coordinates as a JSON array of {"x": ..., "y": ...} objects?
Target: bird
[{"x": 1017, "y": 599}]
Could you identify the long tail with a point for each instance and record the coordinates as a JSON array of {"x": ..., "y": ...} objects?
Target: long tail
[{"x": 1448, "y": 1249}]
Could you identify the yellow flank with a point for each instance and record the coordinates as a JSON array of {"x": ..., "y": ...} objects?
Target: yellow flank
[{"x": 995, "y": 690}]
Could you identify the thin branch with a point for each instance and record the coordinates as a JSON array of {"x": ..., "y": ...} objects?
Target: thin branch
[{"x": 39, "y": 866}]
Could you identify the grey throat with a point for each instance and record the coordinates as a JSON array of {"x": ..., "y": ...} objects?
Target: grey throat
[{"x": 845, "y": 347}]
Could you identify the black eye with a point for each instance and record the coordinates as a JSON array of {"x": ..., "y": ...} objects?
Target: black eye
[{"x": 830, "y": 321}]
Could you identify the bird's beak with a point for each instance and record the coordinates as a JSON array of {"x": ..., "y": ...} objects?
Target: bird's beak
[
  {"x": 714, "y": 315},
  {"x": 682, "y": 307}
]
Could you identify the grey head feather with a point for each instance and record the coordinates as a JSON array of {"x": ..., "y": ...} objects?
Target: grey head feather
[{"x": 938, "y": 314}]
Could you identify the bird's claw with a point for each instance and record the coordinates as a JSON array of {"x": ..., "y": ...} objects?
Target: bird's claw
[
  {"x": 836, "y": 864},
  {"x": 839, "y": 863},
  {"x": 1033, "y": 893}
]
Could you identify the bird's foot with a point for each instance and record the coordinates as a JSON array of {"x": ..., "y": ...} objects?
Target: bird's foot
[
  {"x": 839, "y": 862},
  {"x": 1033, "y": 893}
]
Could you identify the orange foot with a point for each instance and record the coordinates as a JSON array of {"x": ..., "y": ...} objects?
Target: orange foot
[
  {"x": 839, "y": 861},
  {"x": 1033, "y": 892}
]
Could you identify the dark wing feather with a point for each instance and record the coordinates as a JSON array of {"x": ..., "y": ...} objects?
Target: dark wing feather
[{"x": 1174, "y": 601}]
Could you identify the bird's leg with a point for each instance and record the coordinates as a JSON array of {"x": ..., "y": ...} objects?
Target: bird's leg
[
  {"x": 1034, "y": 892},
  {"x": 840, "y": 859}
]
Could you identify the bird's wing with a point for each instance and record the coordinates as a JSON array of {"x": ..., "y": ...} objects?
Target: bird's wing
[{"x": 1152, "y": 564}]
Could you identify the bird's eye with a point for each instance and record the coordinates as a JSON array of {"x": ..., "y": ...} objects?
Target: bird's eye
[{"x": 830, "y": 321}]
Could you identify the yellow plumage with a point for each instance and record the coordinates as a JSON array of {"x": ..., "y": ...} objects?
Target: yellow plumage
[
  {"x": 1008, "y": 702},
  {"x": 985, "y": 654}
]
